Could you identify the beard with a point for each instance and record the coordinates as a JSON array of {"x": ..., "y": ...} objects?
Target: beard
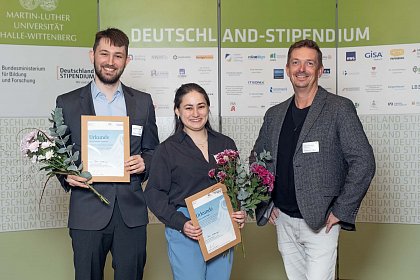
[{"x": 108, "y": 80}]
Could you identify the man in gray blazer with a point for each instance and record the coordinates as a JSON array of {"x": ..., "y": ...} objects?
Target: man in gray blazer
[
  {"x": 323, "y": 166},
  {"x": 120, "y": 227}
]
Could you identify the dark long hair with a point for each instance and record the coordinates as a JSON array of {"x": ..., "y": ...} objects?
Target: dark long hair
[{"x": 180, "y": 93}]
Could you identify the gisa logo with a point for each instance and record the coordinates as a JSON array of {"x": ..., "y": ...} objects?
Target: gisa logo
[
  {"x": 374, "y": 55},
  {"x": 350, "y": 56}
]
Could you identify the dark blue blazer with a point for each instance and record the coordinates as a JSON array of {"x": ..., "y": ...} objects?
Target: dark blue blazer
[{"x": 86, "y": 211}]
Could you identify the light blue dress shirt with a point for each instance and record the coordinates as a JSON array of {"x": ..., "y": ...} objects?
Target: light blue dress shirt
[{"x": 103, "y": 107}]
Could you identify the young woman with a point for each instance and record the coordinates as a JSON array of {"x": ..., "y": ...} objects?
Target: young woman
[{"x": 180, "y": 169}]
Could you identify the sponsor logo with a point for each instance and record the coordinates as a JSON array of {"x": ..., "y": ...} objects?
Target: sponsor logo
[
  {"x": 79, "y": 74},
  {"x": 397, "y": 87},
  {"x": 350, "y": 56},
  {"x": 326, "y": 71},
  {"x": 374, "y": 55},
  {"x": 229, "y": 57},
  {"x": 232, "y": 106},
  {"x": 256, "y": 82},
  {"x": 416, "y": 52},
  {"x": 204, "y": 56},
  {"x": 278, "y": 89},
  {"x": 374, "y": 88},
  {"x": 256, "y": 57},
  {"x": 176, "y": 57},
  {"x": 159, "y": 74},
  {"x": 273, "y": 57},
  {"x": 356, "y": 105},
  {"x": 182, "y": 73},
  {"x": 373, "y": 71},
  {"x": 397, "y": 70},
  {"x": 137, "y": 57},
  {"x": 350, "y": 89},
  {"x": 396, "y": 104},
  {"x": 350, "y": 73},
  {"x": 373, "y": 105},
  {"x": 396, "y": 54},
  {"x": 416, "y": 69},
  {"x": 159, "y": 57},
  {"x": 278, "y": 74},
  {"x": 415, "y": 87}
]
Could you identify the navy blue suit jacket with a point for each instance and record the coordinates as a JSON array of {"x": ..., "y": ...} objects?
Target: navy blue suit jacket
[{"x": 86, "y": 211}]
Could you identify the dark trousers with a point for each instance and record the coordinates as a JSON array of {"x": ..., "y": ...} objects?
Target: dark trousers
[{"x": 127, "y": 246}]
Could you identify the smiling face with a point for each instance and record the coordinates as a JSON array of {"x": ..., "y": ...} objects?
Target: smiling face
[
  {"x": 304, "y": 69},
  {"x": 109, "y": 62},
  {"x": 193, "y": 111}
]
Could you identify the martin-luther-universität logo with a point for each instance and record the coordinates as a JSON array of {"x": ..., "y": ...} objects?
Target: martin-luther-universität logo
[{"x": 47, "y": 5}]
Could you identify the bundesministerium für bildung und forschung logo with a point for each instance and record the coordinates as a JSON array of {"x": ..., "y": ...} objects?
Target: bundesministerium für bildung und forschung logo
[{"x": 47, "y": 5}]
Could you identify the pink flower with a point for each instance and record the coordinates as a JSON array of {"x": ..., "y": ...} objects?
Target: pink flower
[
  {"x": 33, "y": 147},
  {"x": 246, "y": 185},
  {"x": 212, "y": 173},
  {"x": 221, "y": 175}
]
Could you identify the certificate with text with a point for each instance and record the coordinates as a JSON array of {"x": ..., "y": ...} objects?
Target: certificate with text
[
  {"x": 105, "y": 147},
  {"x": 211, "y": 209}
]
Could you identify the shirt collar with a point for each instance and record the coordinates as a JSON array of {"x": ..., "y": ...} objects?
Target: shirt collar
[
  {"x": 181, "y": 134},
  {"x": 96, "y": 92}
]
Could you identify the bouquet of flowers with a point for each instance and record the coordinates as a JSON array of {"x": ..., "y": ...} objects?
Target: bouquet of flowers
[
  {"x": 246, "y": 187},
  {"x": 50, "y": 149}
]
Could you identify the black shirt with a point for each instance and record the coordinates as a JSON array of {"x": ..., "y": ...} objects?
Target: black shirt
[
  {"x": 179, "y": 170},
  {"x": 284, "y": 193}
]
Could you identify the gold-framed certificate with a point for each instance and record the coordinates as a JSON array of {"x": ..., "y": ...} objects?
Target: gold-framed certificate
[
  {"x": 211, "y": 209},
  {"x": 105, "y": 147}
]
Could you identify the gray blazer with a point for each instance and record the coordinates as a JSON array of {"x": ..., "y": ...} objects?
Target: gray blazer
[
  {"x": 337, "y": 177},
  {"x": 87, "y": 212}
]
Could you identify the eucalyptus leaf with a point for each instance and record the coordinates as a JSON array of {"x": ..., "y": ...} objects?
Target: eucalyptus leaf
[
  {"x": 86, "y": 174},
  {"x": 75, "y": 156},
  {"x": 61, "y": 130},
  {"x": 242, "y": 194},
  {"x": 72, "y": 168}
]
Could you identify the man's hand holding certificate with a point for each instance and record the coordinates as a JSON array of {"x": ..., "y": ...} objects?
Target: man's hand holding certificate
[{"x": 106, "y": 148}]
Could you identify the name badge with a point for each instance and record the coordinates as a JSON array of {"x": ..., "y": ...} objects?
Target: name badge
[
  {"x": 136, "y": 130},
  {"x": 310, "y": 147}
]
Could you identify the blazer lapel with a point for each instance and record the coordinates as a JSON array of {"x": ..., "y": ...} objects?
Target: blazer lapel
[
  {"x": 280, "y": 115},
  {"x": 86, "y": 102},
  {"x": 314, "y": 111},
  {"x": 130, "y": 102}
]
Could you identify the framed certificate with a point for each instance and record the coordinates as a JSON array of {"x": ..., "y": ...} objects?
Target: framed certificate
[
  {"x": 211, "y": 209},
  {"x": 105, "y": 147}
]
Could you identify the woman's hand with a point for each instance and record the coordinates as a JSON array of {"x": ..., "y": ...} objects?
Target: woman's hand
[
  {"x": 192, "y": 231},
  {"x": 239, "y": 217}
]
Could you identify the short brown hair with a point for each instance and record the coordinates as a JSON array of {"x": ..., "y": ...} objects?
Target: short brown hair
[
  {"x": 116, "y": 37},
  {"x": 305, "y": 44}
]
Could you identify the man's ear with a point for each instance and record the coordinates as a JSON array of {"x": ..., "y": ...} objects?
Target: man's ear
[
  {"x": 92, "y": 56},
  {"x": 128, "y": 59}
]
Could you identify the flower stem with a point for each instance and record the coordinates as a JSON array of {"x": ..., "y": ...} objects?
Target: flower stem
[{"x": 101, "y": 197}]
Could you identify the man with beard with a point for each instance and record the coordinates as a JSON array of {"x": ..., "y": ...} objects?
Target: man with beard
[
  {"x": 323, "y": 166},
  {"x": 120, "y": 227}
]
